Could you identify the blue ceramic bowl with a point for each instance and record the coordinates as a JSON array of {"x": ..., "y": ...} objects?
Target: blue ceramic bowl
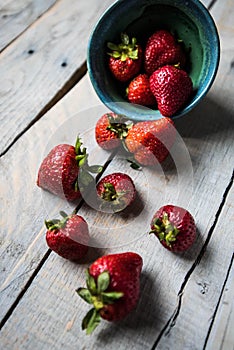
[{"x": 189, "y": 19}]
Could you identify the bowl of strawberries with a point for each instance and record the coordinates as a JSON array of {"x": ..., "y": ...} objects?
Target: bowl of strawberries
[{"x": 148, "y": 59}]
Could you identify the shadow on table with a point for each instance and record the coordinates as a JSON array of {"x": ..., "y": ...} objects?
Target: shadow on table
[
  {"x": 143, "y": 322},
  {"x": 209, "y": 117}
]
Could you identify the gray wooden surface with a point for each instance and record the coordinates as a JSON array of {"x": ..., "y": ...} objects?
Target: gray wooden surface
[{"x": 46, "y": 98}]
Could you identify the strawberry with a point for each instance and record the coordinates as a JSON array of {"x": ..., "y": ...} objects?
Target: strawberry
[
  {"x": 68, "y": 237},
  {"x": 172, "y": 87},
  {"x": 110, "y": 129},
  {"x": 117, "y": 191},
  {"x": 113, "y": 287},
  {"x": 125, "y": 58},
  {"x": 162, "y": 49},
  {"x": 139, "y": 91},
  {"x": 175, "y": 228},
  {"x": 58, "y": 172},
  {"x": 150, "y": 141}
]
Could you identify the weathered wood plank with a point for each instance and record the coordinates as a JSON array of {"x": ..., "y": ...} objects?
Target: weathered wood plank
[
  {"x": 16, "y": 16},
  {"x": 201, "y": 294},
  {"x": 63, "y": 278},
  {"x": 222, "y": 336},
  {"x": 209, "y": 183},
  {"x": 22, "y": 243},
  {"x": 207, "y": 132},
  {"x": 34, "y": 69}
]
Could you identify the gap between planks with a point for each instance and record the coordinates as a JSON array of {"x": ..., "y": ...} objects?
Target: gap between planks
[
  {"x": 47, "y": 254},
  {"x": 73, "y": 80},
  {"x": 172, "y": 320},
  {"x": 219, "y": 301}
]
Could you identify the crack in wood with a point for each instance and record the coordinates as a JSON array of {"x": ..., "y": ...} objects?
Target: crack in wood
[
  {"x": 24, "y": 290},
  {"x": 46, "y": 256},
  {"x": 217, "y": 306},
  {"x": 211, "y": 4},
  {"x": 172, "y": 320}
]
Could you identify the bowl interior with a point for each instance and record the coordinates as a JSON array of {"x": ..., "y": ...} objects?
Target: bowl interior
[{"x": 188, "y": 20}]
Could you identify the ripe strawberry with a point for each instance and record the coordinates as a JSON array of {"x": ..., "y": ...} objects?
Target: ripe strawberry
[
  {"x": 59, "y": 171},
  {"x": 117, "y": 191},
  {"x": 139, "y": 91},
  {"x": 151, "y": 141},
  {"x": 174, "y": 227},
  {"x": 125, "y": 59},
  {"x": 172, "y": 88},
  {"x": 113, "y": 287},
  {"x": 68, "y": 237},
  {"x": 110, "y": 129},
  {"x": 163, "y": 49}
]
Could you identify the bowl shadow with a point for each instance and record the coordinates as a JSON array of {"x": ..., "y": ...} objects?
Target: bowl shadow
[{"x": 208, "y": 118}]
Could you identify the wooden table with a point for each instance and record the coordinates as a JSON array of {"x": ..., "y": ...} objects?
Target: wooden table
[{"x": 186, "y": 300}]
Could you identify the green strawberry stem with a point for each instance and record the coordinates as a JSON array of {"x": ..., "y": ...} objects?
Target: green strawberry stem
[
  {"x": 96, "y": 294},
  {"x": 125, "y": 49},
  {"x": 119, "y": 126},
  {"x": 85, "y": 178},
  {"x": 109, "y": 194},
  {"x": 57, "y": 224},
  {"x": 165, "y": 230}
]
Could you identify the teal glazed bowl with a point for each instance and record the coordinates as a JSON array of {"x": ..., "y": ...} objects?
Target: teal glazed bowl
[{"x": 191, "y": 22}]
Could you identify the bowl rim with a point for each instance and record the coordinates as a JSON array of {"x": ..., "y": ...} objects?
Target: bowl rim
[{"x": 134, "y": 113}]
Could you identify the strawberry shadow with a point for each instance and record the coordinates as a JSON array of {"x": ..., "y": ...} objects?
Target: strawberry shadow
[
  {"x": 192, "y": 253},
  {"x": 146, "y": 318},
  {"x": 134, "y": 209},
  {"x": 92, "y": 255}
]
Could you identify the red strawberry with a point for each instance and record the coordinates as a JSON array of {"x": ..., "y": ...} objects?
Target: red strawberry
[
  {"x": 59, "y": 170},
  {"x": 110, "y": 129},
  {"x": 139, "y": 91},
  {"x": 150, "y": 141},
  {"x": 125, "y": 59},
  {"x": 117, "y": 191},
  {"x": 172, "y": 88},
  {"x": 113, "y": 287},
  {"x": 175, "y": 228},
  {"x": 68, "y": 237},
  {"x": 162, "y": 49}
]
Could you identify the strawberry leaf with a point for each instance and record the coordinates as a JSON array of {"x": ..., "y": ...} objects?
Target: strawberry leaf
[
  {"x": 85, "y": 177},
  {"x": 85, "y": 294},
  {"x": 78, "y": 145},
  {"x": 125, "y": 38},
  {"x": 112, "y": 46},
  {"x": 111, "y": 297},
  {"x": 91, "y": 283},
  {"x": 96, "y": 169},
  {"x": 52, "y": 224},
  {"x": 91, "y": 321},
  {"x": 103, "y": 281}
]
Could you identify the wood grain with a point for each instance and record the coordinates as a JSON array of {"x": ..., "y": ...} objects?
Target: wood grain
[
  {"x": 17, "y": 16},
  {"x": 58, "y": 279},
  {"x": 48, "y": 314},
  {"x": 221, "y": 336},
  {"x": 34, "y": 69},
  {"x": 22, "y": 238}
]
